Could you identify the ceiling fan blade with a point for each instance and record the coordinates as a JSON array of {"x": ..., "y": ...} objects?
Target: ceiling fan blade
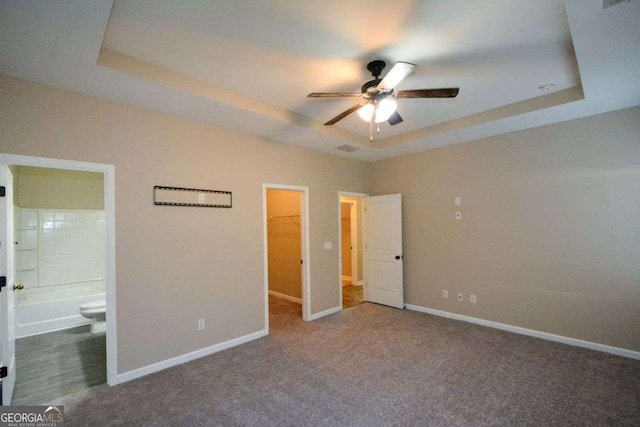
[
  {"x": 450, "y": 92},
  {"x": 395, "y": 119},
  {"x": 333, "y": 95},
  {"x": 398, "y": 73},
  {"x": 344, "y": 114}
]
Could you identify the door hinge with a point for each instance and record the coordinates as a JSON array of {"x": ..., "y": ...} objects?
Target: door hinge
[
  {"x": 3, "y": 282},
  {"x": 3, "y": 191},
  {"x": 3, "y": 372}
]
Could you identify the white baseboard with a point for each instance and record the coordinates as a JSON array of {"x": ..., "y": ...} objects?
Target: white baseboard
[
  {"x": 156, "y": 367},
  {"x": 325, "y": 313},
  {"x": 285, "y": 296},
  {"x": 530, "y": 332}
]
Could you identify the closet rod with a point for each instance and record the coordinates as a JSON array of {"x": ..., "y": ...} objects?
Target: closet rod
[{"x": 284, "y": 216}]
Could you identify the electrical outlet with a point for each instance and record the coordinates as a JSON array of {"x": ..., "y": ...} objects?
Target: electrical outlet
[
  {"x": 460, "y": 297},
  {"x": 445, "y": 294},
  {"x": 200, "y": 324},
  {"x": 472, "y": 299}
]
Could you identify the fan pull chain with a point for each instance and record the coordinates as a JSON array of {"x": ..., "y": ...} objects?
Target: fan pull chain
[{"x": 371, "y": 128}]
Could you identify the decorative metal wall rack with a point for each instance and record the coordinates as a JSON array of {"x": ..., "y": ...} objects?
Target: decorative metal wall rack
[{"x": 176, "y": 196}]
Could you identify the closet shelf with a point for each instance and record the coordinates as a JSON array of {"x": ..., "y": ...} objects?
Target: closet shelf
[{"x": 291, "y": 217}]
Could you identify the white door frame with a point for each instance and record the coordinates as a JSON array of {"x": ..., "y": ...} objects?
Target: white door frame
[
  {"x": 340, "y": 195},
  {"x": 8, "y": 341},
  {"x": 110, "y": 240},
  {"x": 306, "y": 259}
]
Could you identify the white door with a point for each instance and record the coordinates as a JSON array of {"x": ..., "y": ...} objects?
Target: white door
[
  {"x": 383, "y": 250},
  {"x": 7, "y": 325}
]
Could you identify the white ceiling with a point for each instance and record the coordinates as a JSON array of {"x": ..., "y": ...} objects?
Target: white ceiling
[{"x": 248, "y": 65}]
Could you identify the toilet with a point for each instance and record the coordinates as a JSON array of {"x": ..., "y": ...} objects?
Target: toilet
[{"x": 97, "y": 312}]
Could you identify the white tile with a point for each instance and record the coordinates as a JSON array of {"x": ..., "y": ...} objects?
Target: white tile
[
  {"x": 47, "y": 251},
  {"x": 29, "y": 217},
  {"x": 28, "y": 238},
  {"x": 30, "y": 278},
  {"x": 29, "y": 258}
]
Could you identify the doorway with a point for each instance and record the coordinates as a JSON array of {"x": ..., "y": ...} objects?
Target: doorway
[
  {"x": 286, "y": 250},
  {"x": 351, "y": 249},
  {"x": 29, "y": 251}
]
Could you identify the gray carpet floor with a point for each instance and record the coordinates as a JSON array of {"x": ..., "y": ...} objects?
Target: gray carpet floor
[{"x": 376, "y": 366}]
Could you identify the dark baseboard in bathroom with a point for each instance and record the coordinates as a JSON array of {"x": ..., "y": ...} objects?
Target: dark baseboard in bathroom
[{"x": 58, "y": 363}]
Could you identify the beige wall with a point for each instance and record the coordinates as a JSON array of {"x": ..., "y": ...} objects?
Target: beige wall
[
  {"x": 178, "y": 264},
  {"x": 284, "y": 242},
  {"x": 59, "y": 189},
  {"x": 550, "y": 232}
]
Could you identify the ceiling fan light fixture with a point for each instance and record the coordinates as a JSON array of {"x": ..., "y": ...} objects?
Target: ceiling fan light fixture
[{"x": 384, "y": 110}]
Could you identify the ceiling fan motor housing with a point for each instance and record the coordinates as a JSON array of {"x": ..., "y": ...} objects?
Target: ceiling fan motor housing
[{"x": 376, "y": 67}]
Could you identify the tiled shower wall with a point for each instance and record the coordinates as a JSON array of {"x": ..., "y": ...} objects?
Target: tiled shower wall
[{"x": 59, "y": 246}]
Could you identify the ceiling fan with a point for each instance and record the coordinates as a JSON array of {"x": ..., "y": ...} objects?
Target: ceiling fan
[{"x": 378, "y": 95}]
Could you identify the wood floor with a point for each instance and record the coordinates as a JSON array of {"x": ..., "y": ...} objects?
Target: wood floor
[
  {"x": 351, "y": 295},
  {"x": 58, "y": 363}
]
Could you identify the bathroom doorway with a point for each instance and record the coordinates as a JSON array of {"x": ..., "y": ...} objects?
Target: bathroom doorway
[
  {"x": 351, "y": 249},
  {"x": 64, "y": 257},
  {"x": 286, "y": 250}
]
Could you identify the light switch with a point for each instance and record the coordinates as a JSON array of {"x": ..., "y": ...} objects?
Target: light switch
[
  {"x": 328, "y": 245},
  {"x": 456, "y": 201},
  {"x": 458, "y": 215}
]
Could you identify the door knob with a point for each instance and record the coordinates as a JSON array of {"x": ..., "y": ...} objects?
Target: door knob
[
  {"x": 397, "y": 256},
  {"x": 19, "y": 287}
]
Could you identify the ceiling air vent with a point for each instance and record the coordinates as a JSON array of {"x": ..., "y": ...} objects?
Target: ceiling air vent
[
  {"x": 347, "y": 148},
  {"x": 609, "y": 3}
]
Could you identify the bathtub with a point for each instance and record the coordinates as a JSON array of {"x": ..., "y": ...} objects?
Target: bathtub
[{"x": 49, "y": 309}]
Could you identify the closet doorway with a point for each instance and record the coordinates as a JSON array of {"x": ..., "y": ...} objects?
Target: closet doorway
[
  {"x": 351, "y": 249},
  {"x": 286, "y": 250}
]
